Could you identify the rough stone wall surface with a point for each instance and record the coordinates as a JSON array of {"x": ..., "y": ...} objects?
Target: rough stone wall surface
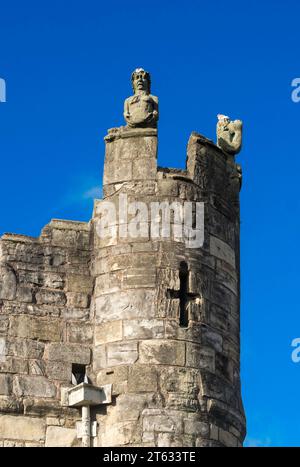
[
  {"x": 71, "y": 297},
  {"x": 45, "y": 292}
]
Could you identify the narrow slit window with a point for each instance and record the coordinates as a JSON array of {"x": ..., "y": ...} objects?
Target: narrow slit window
[{"x": 183, "y": 295}]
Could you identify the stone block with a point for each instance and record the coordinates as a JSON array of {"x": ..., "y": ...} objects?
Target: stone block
[
  {"x": 174, "y": 331},
  {"x": 227, "y": 413},
  {"x": 3, "y": 325},
  {"x": 129, "y": 408},
  {"x": 168, "y": 187},
  {"x": 8, "y": 282},
  {"x": 177, "y": 379},
  {"x": 71, "y": 353},
  {"x": 37, "y": 386},
  {"x": 9, "y": 404},
  {"x": 57, "y": 260},
  {"x": 216, "y": 387},
  {"x": 54, "y": 421},
  {"x": 162, "y": 352},
  {"x": 99, "y": 357},
  {"x": 235, "y": 432},
  {"x": 24, "y": 294},
  {"x": 139, "y": 304},
  {"x": 34, "y": 445},
  {"x": 163, "y": 423},
  {"x": 78, "y": 300},
  {"x": 37, "y": 367},
  {"x": 228, "y": 439},
  {"x": 142, "y": 378},
  {"x": 108, "y": 283},
  {"x": 227, "y": 280},
  {"x": 81, "y": 333},
  {"x": 214, "y": 432},
  {"x": 196, "y": 427},
  {"x": 5, "y": 384},
  {"x": 212, "y": 339},
  {"x": 144, "y": 169},
  {"x": 121, "y": 353},
  {"x": 223, "y": 297},
  {"x": 143, "y": 329},
  {"x": 135, "y": 278},
  {"x": 174, "y": 440},
  {"x": 34, "y": 278},
  {"x": 22, "y": 428},
  {"x": 219, "y": 318},
  {"x": 14, "y": 365},
  {"x": 25, "y": 348},
  {"x": 13, "y": 444},
  {"x": 108, "y": 332},
  {"x": 120, "y": 433},
  {"x": 149, "y": 437},
  {"x": 54, "y": 281},
  {"x": 222, "y": 267},
  {"x": 64, "y": 224},
  {"x": 60, "y": 437},
  {"x": 200, "y": 357},
  {"x": 144, "y": 247},
  {"x": 222, "y": 250},
  {"x": 123, "y": 171},
  {"x": 64, "y": 238},
  {"x": 45, "y": 407},
  {"x": 75, "y": 313},
  {"x": 3, "y": 349},
  {"x": 117, "y": 376},
  {"x": 60, "y": 371},
  {"x": 79, "y": 283},
  {"x": 50, "y": 297},
  {"x": 35, "y": 328}
]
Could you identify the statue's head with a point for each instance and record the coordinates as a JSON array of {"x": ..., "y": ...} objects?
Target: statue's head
[{"x": 141, "y": 80}]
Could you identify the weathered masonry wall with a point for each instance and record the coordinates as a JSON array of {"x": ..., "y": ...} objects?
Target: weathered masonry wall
[
  {"x": 114, "y": 306},
  {"x": 45, "y": 293}
]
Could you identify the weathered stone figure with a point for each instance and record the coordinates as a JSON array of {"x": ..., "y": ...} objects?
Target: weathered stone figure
[
  {"x": 229, "y": 134},
  {"x": 141, "y": 110}
]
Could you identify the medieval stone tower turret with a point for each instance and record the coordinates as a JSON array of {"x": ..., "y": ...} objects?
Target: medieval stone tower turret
[{"x": 125, "y": 330}]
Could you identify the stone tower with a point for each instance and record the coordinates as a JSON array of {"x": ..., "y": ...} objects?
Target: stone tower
[{"x": 133, "y": 316}]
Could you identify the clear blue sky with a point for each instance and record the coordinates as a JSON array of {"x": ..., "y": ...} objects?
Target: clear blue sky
[{"x": 67, "y": 66}]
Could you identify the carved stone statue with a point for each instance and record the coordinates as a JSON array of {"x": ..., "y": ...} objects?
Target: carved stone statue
[
  {"x": 229, "y": 134},
  {"x": 141, "y": 109}
]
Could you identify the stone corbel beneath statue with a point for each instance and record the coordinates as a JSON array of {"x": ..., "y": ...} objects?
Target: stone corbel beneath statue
[{"x": 126, "y": 132}]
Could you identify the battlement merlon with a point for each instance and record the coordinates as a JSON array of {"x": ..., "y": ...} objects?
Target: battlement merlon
[{"x": 131, "y": 159}]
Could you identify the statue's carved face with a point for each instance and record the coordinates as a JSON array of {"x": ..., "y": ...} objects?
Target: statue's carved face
[{"x": 140, "y": 81}]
